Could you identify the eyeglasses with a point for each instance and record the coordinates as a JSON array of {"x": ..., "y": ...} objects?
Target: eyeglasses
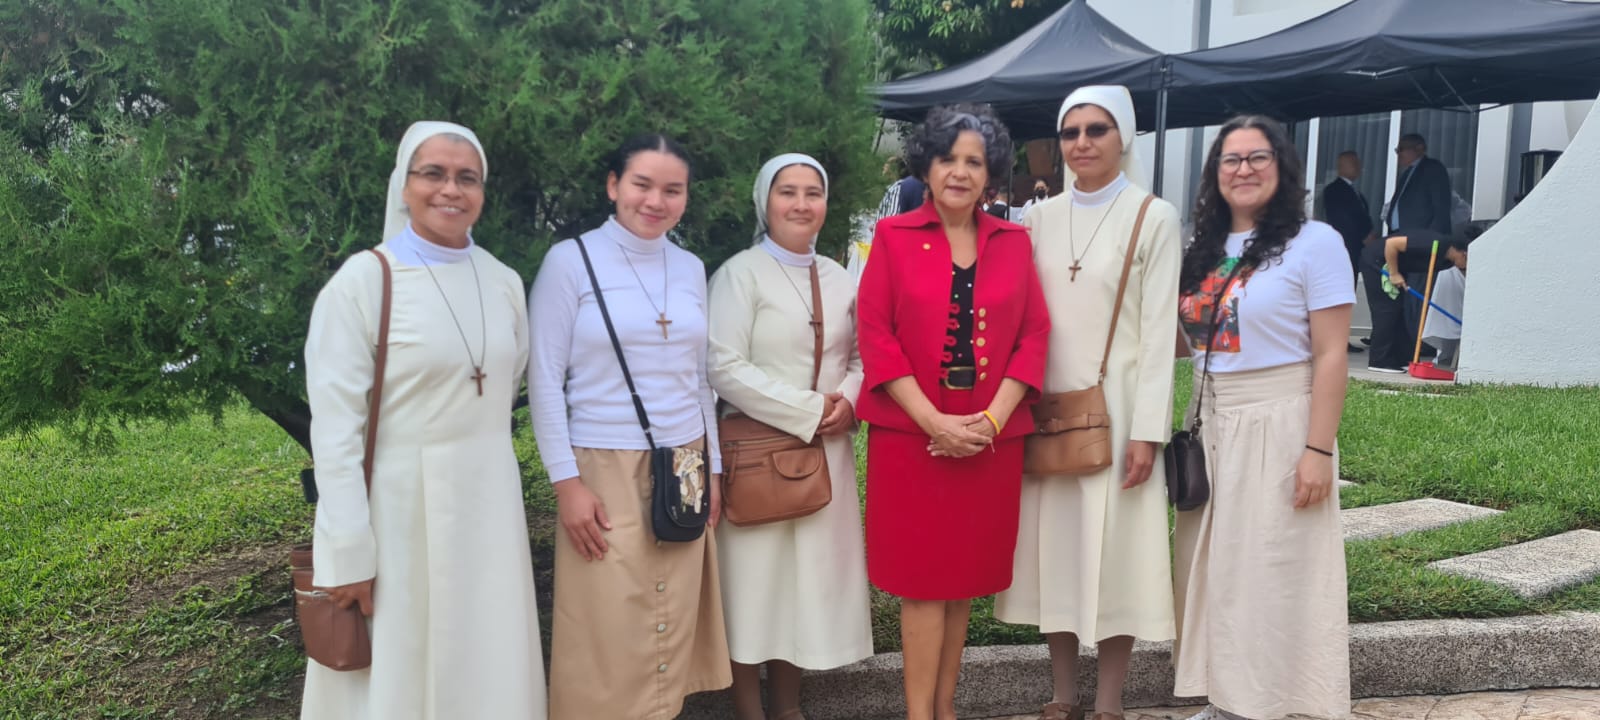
[
  {"x": 1095, "y": 131},
  {"x": 1258, "y": 160},
  {"x": 434, "y": 177}
]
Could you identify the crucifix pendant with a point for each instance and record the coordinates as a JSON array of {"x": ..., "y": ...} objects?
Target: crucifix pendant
[
  {"x": 1076, "y": 266},
  {"x": 477, "y": 374},
  {"x": 663, "y": 322}
]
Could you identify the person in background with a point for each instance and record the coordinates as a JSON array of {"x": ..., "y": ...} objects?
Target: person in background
[
  {"x": 1265, "y": 298},
  {"x": 1092, "y": 561},
  {"x": 953, "y": 332},
  {"x": 638, "y": 622},
  {"x": 1041, "y": 193},
  {"x": 1347, "y": 211},
  {"x": 903, "y": 196},
  {"x": 794, "y": 591},
  {"x": 1449, "y": 294},
  {"x": 436, "y": 555},
  {"x": 1000, "y": 207},
  {"x": 1405, "y": 262},
  {"x": 1422, "y": 197}
]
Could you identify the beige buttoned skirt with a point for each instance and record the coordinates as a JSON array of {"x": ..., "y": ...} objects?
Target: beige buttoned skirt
[
  {"x": 635, "y": 632},
  {"x": 1262, "y": 609}
]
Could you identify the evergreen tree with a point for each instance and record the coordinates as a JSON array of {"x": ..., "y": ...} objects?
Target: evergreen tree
[{"x": 178, "y": 178}]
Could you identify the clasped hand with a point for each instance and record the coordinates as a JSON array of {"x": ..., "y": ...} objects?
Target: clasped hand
[
  {"x": 958, "y": 436},
  {"x": 838, "y": 415}
]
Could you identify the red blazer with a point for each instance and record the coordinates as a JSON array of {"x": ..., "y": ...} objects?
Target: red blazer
[{"x": 903, "y": 306}]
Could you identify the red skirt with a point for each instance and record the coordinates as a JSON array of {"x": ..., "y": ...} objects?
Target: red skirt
[{"x": 941, "y": 528}]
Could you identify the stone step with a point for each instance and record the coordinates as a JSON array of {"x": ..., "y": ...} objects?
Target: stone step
[
  {"x": 1533, "y": 569},
  {"x": 1381, "y": 521}
]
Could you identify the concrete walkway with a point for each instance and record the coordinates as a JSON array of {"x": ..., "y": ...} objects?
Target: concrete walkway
[{"x": 1546, "y": 704}]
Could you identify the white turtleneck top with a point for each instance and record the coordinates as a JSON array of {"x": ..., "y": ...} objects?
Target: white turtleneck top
[
  {"x": 577, "y": 393},
  {"x": 412, "y": 249},
  {"x": 792, "y": 259},
  {"x": 1102, "y": 196}
]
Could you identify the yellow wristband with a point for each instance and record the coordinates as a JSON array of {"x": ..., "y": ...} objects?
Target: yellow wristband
[{"x": 990, "y": 417}]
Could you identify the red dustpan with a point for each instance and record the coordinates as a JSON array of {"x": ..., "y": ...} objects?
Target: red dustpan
[{"x": 1427, "y": 371}]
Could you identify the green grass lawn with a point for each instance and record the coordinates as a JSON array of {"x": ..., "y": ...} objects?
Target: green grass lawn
[{"x": 147, "y": 581}]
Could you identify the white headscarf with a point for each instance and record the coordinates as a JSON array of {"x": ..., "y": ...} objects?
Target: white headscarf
[
  {"x": 1118, "y": 103},
  {"x": 395, "y": 214},
  {"x": 769, "y": 174}
]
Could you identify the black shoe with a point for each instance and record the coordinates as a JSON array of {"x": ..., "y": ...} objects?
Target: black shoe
[
  {"x": 1366, "y": 341},
  {"x": 1357, "y": 348},
  {"x": 1391, "y": 370}
]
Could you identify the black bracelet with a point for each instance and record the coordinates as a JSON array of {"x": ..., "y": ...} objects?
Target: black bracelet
[{"x": 1319, "y": 451}]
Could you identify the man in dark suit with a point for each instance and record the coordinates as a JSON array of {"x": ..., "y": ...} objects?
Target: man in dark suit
[
  {"x": 1347, "y": 211},
  {"x": 1422, "y": 199},
  {"x": 1346, "y": 208}
]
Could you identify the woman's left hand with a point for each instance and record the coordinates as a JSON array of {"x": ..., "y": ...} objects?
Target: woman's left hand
[
  {"x": 841, "y": 420},
  {"x": 716, "y": 501},
  {"x": 1313, "y": 479},
  {"x": 1140, "y": 458}
]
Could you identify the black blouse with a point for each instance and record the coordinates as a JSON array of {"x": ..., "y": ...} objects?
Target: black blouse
[{"x": 958, "y": 328}]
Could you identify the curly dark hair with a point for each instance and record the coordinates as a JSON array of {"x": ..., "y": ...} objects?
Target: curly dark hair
[
  {"x": 937, "y": 135},
  {"x": 1278, "y": 222}
]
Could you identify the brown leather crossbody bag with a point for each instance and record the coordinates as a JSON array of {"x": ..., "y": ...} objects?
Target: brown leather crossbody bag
[
  {"x": 337, "y": 639},
  {"x": 769, "y": 475},
  {"x": 1072, "y": 430}
]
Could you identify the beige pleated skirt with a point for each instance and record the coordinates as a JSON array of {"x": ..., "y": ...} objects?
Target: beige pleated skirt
[
  {"x": 1262, "y": 607},
  {"x": 635, "y": 632}
]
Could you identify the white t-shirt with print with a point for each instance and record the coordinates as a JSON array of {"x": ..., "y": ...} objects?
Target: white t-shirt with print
[{"x": 1266, "y": 313}]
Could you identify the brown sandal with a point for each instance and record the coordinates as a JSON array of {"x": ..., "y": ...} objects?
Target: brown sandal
[
  {"x": 791, "y": 715},
  {"x": 1061, "y": 711}
]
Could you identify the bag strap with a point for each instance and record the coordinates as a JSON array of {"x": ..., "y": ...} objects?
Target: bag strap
[
  {"x": 375, "y": 398},
  {"x": 1122, "y": 286},
  {"x": 1216, "y": 322},
  {"x": 600, "y": 299},
  {"x": 816, "y": 326}
]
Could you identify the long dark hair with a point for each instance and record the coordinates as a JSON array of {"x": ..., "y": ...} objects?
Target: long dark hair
[{"x": 1279, "y": 221}]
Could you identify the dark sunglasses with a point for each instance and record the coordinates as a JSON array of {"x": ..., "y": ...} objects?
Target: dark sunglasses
[{"x": 1095, "y": 131}]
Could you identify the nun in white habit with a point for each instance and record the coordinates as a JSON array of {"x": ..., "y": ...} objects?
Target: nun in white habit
[
  {"x": 1092, "y": 563},
  {"x": 794, "y": 592},
  {"x": 437, "y": 555}
]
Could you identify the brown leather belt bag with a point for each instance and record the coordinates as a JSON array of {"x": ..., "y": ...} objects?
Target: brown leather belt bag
[
  {"x": 769, "y": 475},
  {"x": 1072, "y": 430}
]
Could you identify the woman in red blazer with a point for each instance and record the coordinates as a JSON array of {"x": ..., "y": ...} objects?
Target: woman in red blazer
[{"x": 953, "y": 329}]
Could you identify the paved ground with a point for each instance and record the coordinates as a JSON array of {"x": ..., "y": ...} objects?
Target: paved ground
[{"x": 1548, "y": 704}]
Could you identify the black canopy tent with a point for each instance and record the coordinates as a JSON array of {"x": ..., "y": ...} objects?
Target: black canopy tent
[
  {"x": 1381, "y": 55},
  {"x": 1364, "y": 56},
  {"x": 1025, "y": 79}
]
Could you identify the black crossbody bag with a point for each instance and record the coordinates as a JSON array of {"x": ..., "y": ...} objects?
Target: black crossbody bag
[
  {"x": 1188, "y": 481},
  {"x": 675, "y": 515}
]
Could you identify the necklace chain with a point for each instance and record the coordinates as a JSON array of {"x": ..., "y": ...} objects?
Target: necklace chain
[
  {"x": 1072, "y": 242},
  {"x": 803, "y": 302},
  {"x": 483, "y": 321},
  {"x": 661, "y": 310}
]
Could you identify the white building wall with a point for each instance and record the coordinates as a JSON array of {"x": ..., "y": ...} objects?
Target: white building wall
[{"x": 1531, "y": 307}]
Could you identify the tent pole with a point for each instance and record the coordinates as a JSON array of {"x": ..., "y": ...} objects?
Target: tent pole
[{"x": 1161, "y": 138}]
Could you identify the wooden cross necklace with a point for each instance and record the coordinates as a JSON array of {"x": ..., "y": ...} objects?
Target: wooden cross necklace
[
  {"x": 661, "y": 310},
  {"x": 477, "y": 363},
  {"x": 1077, "y": 260}
]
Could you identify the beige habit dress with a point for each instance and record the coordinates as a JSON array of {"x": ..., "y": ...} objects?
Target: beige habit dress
[
  {"x": 1092, "y": 558},
  {"x": 455, "y": 632},
  {"x": 794, "y": 590}
]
